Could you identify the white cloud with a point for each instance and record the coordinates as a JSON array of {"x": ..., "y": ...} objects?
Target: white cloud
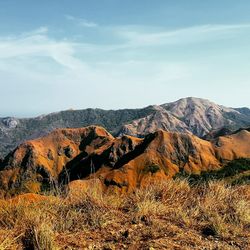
[
  {"x": 39, "y": 31},
  {"x": 37, "y": 44},
  {"x": 62, "y": 73},
  {"x": 193, "y": 34},
  {"x": 82, "y": 22}
]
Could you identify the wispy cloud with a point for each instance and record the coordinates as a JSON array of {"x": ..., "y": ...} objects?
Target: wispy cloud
[
  {"x": 136, "y": 58},
  {"x": 38, "y": 31},
  {"x": 82, "y": 22},
  {"x": 38, "y": 43},
  {"x": 193, "y": 34}
]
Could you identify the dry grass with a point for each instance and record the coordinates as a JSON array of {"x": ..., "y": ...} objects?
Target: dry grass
[{"x": 169, "y": 215}]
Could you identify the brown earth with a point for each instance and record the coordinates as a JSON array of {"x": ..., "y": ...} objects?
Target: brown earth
[
  {"x": 169, "y": 215},
  {"x": 120, "y": 164}
]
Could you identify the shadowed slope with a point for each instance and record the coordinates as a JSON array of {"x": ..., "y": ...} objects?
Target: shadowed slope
[
  {"x": 125, "y": 162},
  {"x": 38, "y": 163}
]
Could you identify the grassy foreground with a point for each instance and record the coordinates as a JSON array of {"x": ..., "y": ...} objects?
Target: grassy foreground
[{"x": 169, "y": 215}]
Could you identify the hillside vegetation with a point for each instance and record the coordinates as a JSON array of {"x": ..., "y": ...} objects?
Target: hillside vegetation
[
  {"x": 235, "y": 172},
  {"x": 168, "y": 215},
  {"x": 86, "y": 189}
]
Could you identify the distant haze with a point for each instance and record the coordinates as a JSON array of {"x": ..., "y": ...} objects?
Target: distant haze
[{"x": 61, "y": 54}]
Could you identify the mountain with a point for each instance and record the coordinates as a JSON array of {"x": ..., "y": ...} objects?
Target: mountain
[
  {"x": 121, "y": 163},
  {"x": 201, "y": 116},
  {"x": 160, "y": 119},
  {"x": 198, "y": 116},
  {"x": 14, "y": 131}
]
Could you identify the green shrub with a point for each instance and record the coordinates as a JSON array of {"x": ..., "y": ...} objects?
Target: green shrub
[
  {"x": 230, "y": 170},
  {"x": 151, "y": 169}
]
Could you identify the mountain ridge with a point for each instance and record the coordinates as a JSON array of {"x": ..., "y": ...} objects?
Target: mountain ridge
[
  {"x": 120, "y": 163},
  {"x": 198, "y": 116}
]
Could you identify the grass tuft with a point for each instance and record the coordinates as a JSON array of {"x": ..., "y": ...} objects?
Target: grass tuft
[{"x": 166, "y": 215}]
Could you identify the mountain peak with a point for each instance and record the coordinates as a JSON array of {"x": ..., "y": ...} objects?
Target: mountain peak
[
  {"x": 191, "y": 101},
  {"x": 201, "y": 115},
  {"x": 191, "y": 114}
]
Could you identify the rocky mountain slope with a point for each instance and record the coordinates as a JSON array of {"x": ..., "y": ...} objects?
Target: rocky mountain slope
[
  {"x": 121, "y": 163},
  {"x": 13, "y": 131},
  {"x": 194, "y": 115},
  {"x": 160, "y": 119},
  {"x": 201, "y": 116}
]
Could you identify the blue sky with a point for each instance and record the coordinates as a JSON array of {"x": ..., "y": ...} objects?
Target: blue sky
[{"x": 111, "y": 54}]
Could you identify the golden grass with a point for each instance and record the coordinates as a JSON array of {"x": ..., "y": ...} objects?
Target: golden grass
[{"x": 167, "y": 215}]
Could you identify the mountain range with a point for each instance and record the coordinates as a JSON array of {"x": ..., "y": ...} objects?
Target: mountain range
[
  {"x": 69, "y": 156},
  {"x": 200, "y": 117}
]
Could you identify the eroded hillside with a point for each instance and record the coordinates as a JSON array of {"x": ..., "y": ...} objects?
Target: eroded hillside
[{"x": 121, "y": 163}]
